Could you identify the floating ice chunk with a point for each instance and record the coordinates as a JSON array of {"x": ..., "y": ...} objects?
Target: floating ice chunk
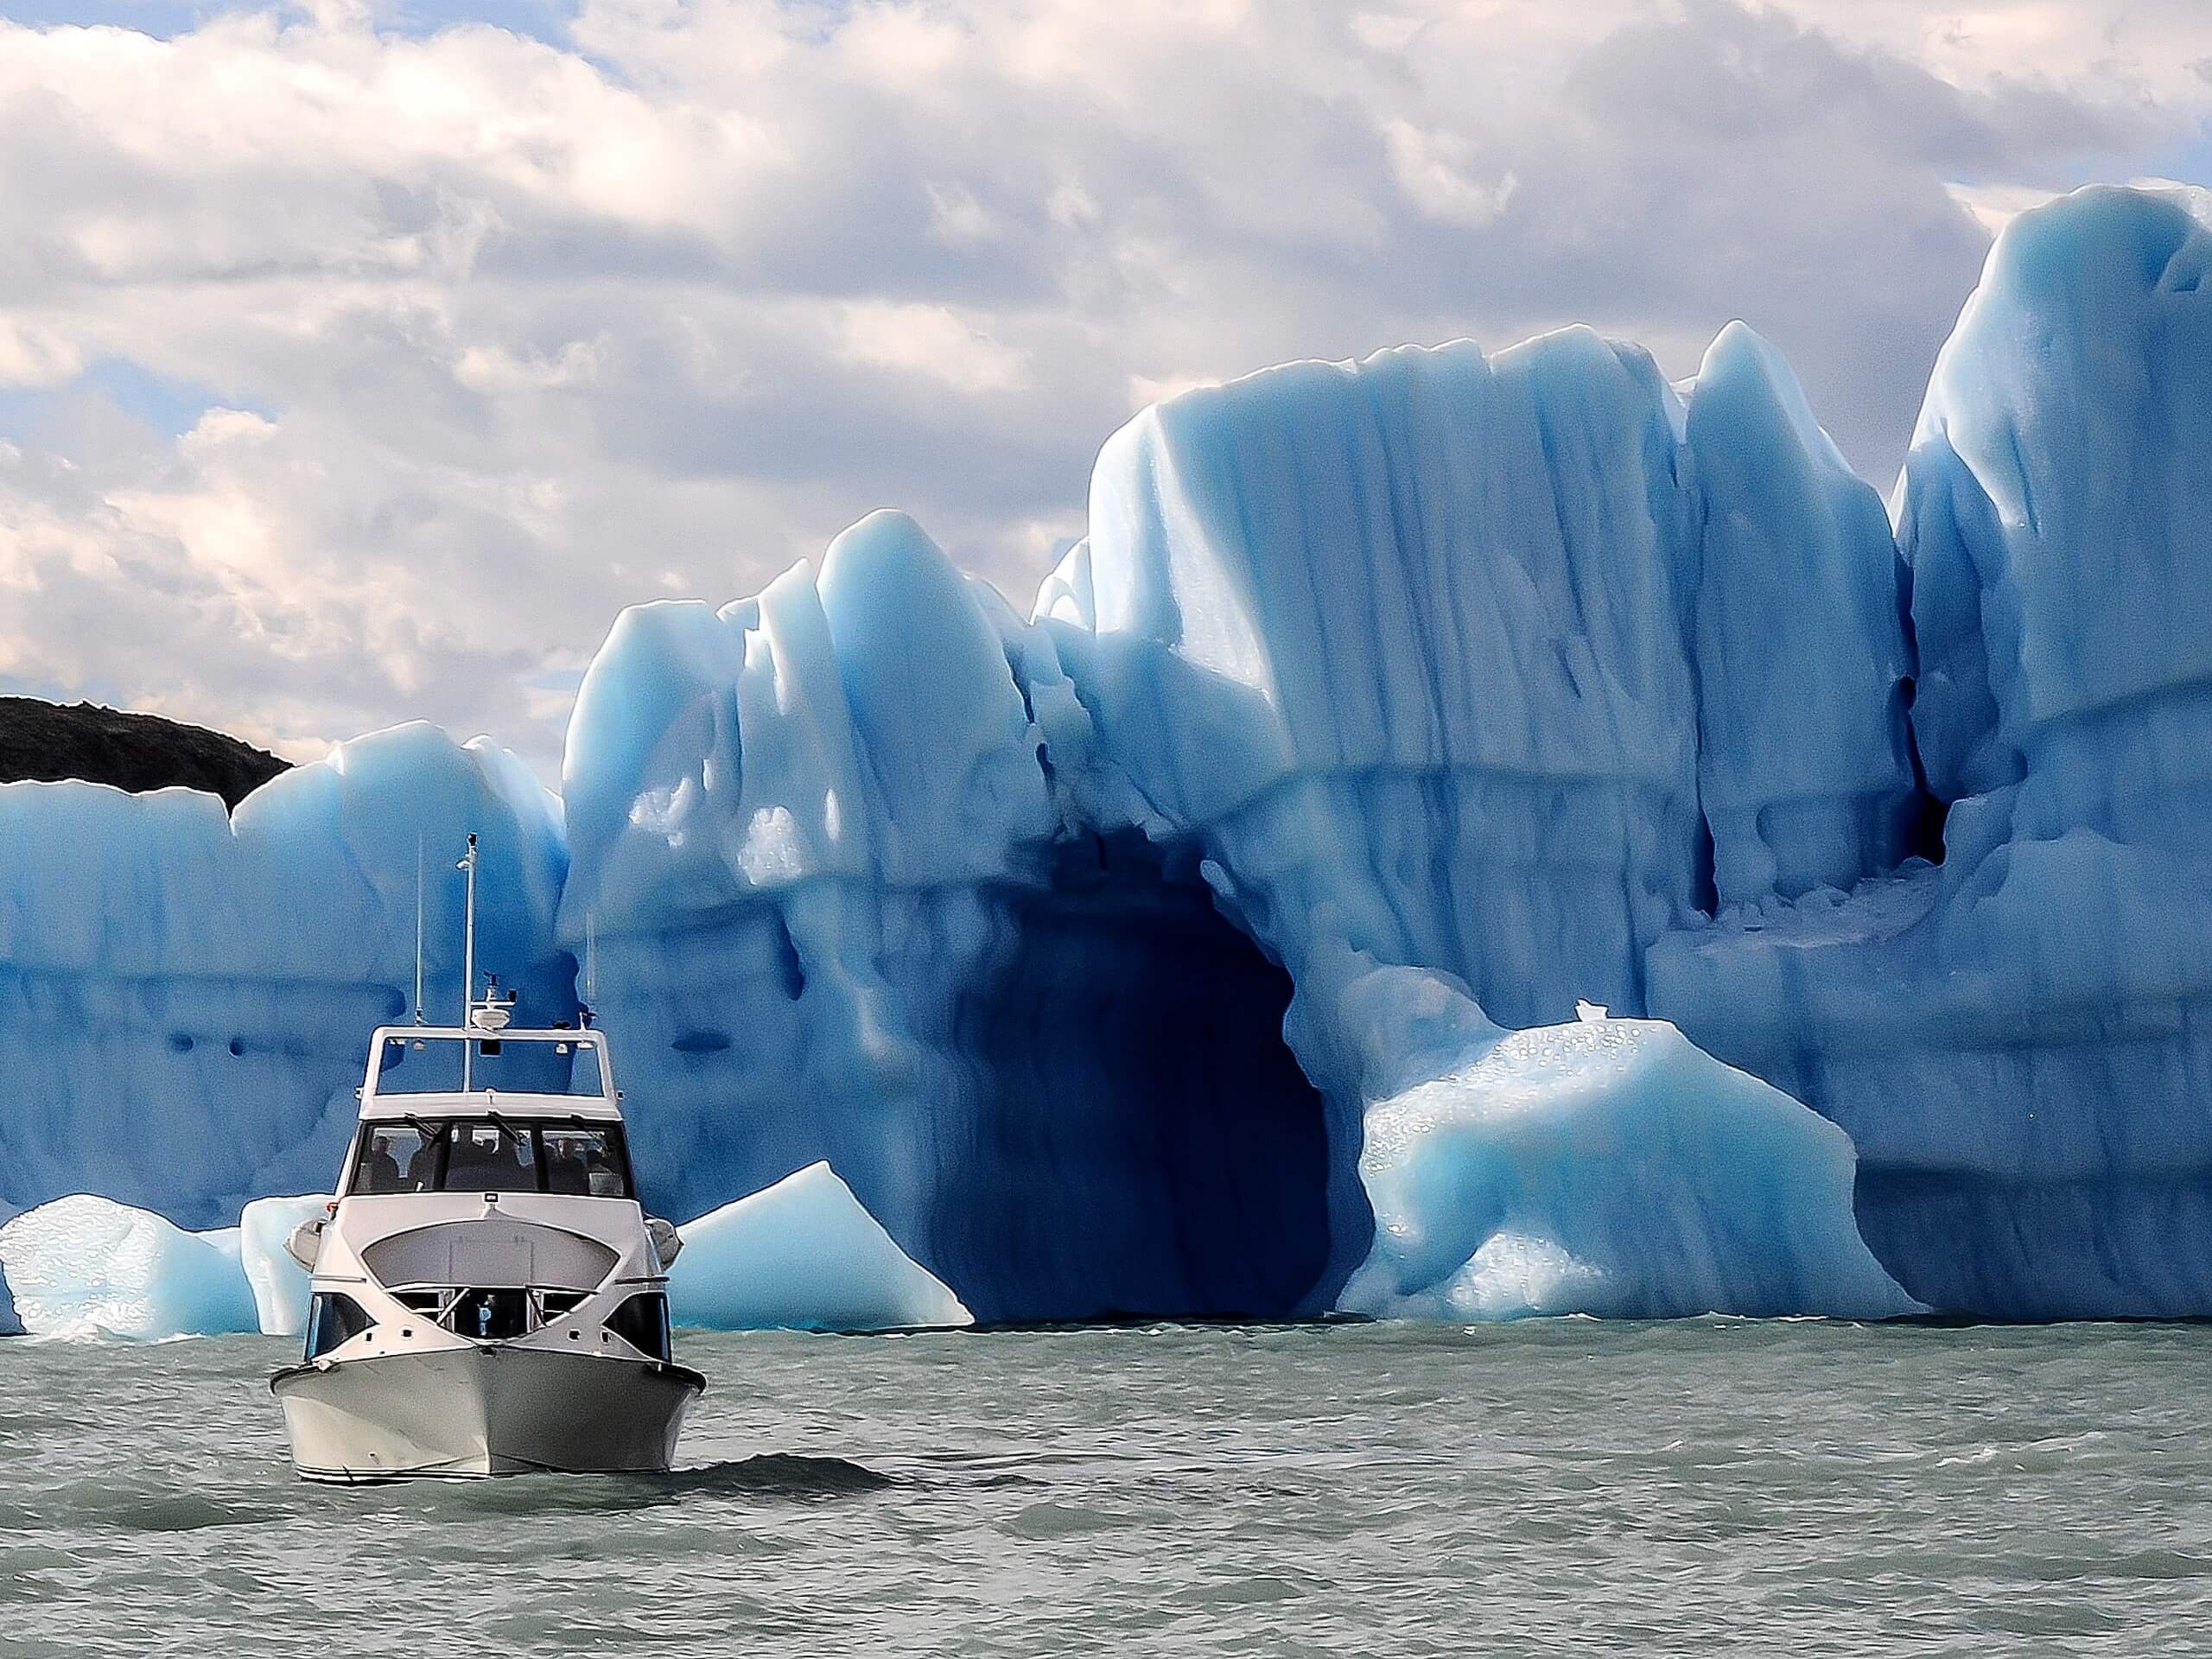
[
  {"x": 1609, "y": 1166},
  {"x": 802, "y": 1255},
  {"x": 279, "y": 1283},
  {"x": 84, "y": 1263}
]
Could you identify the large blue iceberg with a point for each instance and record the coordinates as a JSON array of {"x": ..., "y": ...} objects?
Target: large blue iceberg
[
  {"x": 2019, "y": 1040},
  {"x": 1212, "y": 940},
  {"x": 837, "y": 913}
]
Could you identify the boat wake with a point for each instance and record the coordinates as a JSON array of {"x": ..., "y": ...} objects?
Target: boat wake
[
  {"x": 772, "y": 1475},
  {"x": 772, "y": 1478}
]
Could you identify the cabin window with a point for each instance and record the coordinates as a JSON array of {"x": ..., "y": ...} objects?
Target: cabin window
[
  {"x": 331, "y": 1320},
  {"x": 487, "y": 1156},
  {"x": 642, "y": 1321},
  {"x": 584, "y": 1161},
  {"x": 491, "y": 1154},
  {"x": 395, "y": 1158}
]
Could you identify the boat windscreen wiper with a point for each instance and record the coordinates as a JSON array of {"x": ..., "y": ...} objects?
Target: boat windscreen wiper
[{"x": 499, "y": 1122}]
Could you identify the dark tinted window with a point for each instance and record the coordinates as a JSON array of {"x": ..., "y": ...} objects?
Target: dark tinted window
[
  {"x": 585, "y": 1160},
  {"x": 333, "y": 1318},
  {"x": 395, "y": 1158},
  {"x": 642, "y": 1321},
  {"x": 483, "y": 1155}
]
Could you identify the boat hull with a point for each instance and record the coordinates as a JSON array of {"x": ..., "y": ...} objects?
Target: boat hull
[{"x": 492, "y": 1408}]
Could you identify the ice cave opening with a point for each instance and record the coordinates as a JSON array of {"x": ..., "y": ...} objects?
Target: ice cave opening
[{"x": 1138, "y": 1135}]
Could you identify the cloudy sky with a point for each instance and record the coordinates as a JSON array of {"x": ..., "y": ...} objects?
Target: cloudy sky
[{"x": 360, "y": 362}]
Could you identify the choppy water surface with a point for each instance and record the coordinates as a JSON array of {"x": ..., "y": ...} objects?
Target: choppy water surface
[{"x": 1804, "y": 1489}]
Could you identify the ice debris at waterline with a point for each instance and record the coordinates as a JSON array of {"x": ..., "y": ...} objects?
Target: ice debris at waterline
[
  {"x": 804, "y": 1255},
  {"x": 86, "y": 1265},
  {"x": 1079, "y": 944}
]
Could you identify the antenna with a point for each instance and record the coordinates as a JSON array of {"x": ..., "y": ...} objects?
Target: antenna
[
  {"x": 467, "y": 966},
  {"x": 591, "y": 961},
  {"x": 418, "y": 928}
]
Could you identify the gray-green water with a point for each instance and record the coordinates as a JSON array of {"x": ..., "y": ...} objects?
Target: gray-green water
[{"x": 1799, "y": 1488}]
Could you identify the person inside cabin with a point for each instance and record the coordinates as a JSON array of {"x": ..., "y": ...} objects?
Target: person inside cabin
[
  {"x": 422, "y": 1167},
  {"x": 564, "y": 1167},
  {"x": 380, "y": 1168},
  {"x": 601, "y": 1178},
  {"x": 472, "y": 1162},
  {"x": 485, "y": 1156}
]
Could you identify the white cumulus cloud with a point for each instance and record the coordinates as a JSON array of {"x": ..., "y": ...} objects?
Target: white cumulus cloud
[{"x": 350, "y": 373}]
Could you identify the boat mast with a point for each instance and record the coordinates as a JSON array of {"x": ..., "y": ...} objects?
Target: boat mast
[
  {"x": 418, "y": 930},
  {"x": 591, "y": 968},
  {"x": 469, "y": 966}
]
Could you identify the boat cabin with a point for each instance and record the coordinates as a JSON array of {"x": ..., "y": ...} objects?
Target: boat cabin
[{"x": 448, "y": 1110}]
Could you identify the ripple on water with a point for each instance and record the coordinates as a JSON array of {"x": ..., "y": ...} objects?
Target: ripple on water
[
  {"x": 132, "y": 1503},
  {"x": 1815, "y": 1489},
  {"x": 766, "y": 1477}
]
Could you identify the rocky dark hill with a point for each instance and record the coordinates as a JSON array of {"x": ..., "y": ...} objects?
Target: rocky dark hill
[{"x": 52, "y": 740}]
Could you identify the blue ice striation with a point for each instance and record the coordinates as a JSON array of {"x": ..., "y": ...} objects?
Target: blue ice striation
[
  {"x": 2019, "y": 1039},
  {"x": 1212, "y": 940}
]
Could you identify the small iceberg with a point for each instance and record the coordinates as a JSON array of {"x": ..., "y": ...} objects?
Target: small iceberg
[
  {"x": 1611, "y": 1167},
  {"x": 804, "y": 1255},
  {"x": 86, "y": 1265}
]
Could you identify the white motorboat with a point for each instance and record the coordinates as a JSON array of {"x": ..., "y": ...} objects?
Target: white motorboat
[{"x": 488, "y": 1297}]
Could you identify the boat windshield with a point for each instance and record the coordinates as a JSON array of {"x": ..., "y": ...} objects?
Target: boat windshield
[
  {"x": 491, "y": 1153},
  {"x": 413, "y": 1064}
]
